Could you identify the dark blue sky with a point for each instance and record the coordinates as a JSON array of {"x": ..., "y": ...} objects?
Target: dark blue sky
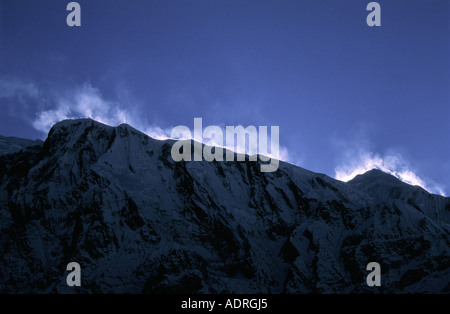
[{"x": 345, "y": 95}]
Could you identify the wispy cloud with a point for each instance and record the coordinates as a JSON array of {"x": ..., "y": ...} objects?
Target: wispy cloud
[
  {"x": 358, "y": 158},
  {"x": 17, "y": 95},
  {"x": 155, "y": 132},
  {"x": 17, "y": 88},
  {"x": 42, "y": 107},
  {"x": 87, "y": 101}
]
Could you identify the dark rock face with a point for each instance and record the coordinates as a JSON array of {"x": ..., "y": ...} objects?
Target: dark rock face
[{"x": 113, "y": 200}]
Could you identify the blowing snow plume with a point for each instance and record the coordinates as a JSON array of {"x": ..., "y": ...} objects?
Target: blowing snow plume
[
  {"x": 45, "y": 107},
  {"x": 392, "y": 163}
]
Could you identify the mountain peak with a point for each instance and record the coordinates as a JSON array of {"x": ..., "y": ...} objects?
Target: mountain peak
[
  {"x": 375, "y": 175},
  {"x": 76, "y": 123},
  {"x": 376, "y": 178},
  {"x": 384, "y": 186},
  {"x": 75, "y": 126},
  {"x": 114, "y": 200}
]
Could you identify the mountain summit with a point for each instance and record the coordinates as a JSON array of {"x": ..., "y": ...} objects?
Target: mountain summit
[{"x": 113, "y": 200}]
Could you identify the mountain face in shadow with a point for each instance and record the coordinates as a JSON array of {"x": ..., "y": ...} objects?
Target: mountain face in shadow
[
  {"x": 113, "y": 200},
  {"x": 9, "y": 145}
]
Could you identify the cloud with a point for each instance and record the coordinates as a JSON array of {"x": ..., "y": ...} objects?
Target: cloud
[
  {"x": 86, "y": 101},
  {"x": 359, "y": 160},
  {"x": 156, "y": 132},
  {"x": 17, "y": 88},
  {"x": 43, "y": 107},
  {"x": 17, "y": 95}
]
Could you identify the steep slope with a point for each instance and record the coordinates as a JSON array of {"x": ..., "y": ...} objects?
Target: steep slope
[{"x": 113, "y": 200}]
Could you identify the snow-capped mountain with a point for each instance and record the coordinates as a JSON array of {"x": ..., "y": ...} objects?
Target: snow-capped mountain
[{"x": 113, "y": 200}]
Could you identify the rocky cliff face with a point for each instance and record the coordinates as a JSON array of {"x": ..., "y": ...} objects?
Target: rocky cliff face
[{"x": 113, "y": 200}]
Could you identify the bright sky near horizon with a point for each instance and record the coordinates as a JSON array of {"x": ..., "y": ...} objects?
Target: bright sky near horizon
[{"x": 347, "y": 97}]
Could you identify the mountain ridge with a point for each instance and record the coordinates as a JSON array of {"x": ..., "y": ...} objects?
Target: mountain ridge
[
  {"x": 112, "y": 199},
  {"x": 12, "y": 144}
]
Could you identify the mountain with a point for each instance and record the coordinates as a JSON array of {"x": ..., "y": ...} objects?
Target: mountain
[
  {"x": 9, "y": 145},
  {"x": 113, "y": 200}
]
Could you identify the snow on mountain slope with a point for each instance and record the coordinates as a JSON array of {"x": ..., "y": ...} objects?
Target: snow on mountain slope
[
  {"x": 387, "y": 188},
  {"x": 9, "y": 145},
  {"x": 113, "y": 200}
]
